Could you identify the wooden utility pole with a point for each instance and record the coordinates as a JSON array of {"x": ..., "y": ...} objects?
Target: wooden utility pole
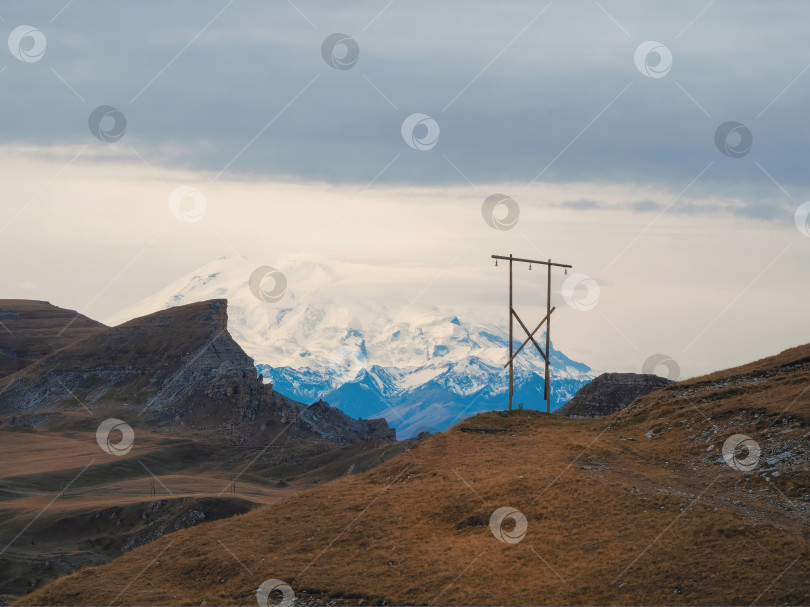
[
  {"x": 547, "y": 320},
  {"x": 511, "y": 367},
  {"x": 547, "y": 387}
]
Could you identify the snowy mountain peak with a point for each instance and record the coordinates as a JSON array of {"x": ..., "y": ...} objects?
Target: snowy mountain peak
[{"x": 321, "y": 334}]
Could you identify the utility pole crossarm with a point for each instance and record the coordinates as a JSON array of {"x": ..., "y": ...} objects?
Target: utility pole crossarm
[{"x": 545, "y": 263}]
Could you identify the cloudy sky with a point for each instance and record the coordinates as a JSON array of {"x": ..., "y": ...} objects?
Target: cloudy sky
[{"x": 660, "y": 148}]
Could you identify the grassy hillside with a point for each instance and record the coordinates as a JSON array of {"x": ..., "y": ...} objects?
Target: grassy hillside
[{"x": 636, "y": 508}]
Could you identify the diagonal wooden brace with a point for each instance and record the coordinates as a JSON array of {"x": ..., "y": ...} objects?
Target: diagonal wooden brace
[
  {"x": 536, "y": 345},
  {"x": 531, "y": 337}
]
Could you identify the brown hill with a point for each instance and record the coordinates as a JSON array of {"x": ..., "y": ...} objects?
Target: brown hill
[
  {"x": 610, "y": 392},
  {"x": 30, "y": 330},
  {"x": 637, "y": 508}
]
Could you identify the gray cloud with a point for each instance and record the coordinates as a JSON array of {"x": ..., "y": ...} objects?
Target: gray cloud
[
  {"x": 645, "y": 205},
  {"x": 766, "y": 208},
  {"x": 581, "y": 205},
  {"x": 562, "y": 101}
]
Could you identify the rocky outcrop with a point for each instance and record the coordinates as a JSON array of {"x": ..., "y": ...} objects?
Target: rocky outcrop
[
  {"x": 162, "y": 517},
  {"x": 333, "y": 424},
  {"x": 175, "y": 367},
  {"x": 164, "y": 362},
  {"x": 610, "y": 392}
]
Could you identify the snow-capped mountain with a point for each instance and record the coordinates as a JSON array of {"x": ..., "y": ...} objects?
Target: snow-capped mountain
[{"x": 315, "y": 335}]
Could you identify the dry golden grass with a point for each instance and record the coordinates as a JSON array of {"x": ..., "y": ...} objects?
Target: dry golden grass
[{"x": 614, "y": 517}]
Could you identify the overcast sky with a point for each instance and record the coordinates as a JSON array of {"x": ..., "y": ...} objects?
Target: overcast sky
[{"x": 617, "y": 158}]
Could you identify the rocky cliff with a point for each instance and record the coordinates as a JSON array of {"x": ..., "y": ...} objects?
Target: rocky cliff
[
  {"x": 174, "y": 367},
  {"x": 610, "y": 392}
]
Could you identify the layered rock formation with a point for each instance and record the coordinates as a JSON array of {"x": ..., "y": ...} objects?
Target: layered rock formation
[
  {"x": 174, "y": 367},
  {"x": 610, "y": 392}
]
